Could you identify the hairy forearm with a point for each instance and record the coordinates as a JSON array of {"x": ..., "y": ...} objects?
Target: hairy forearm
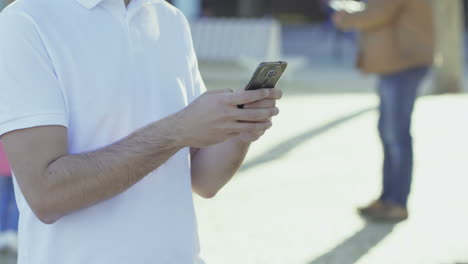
[
  {"x": 73, "y": 182},
  {"x": 214, "y": 166}
]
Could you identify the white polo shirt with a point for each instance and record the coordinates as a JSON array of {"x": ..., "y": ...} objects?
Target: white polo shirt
[{"x": 103, "y": 70}]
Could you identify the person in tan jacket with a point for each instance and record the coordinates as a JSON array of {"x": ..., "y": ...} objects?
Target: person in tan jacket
[{"x": 397, "y": 44}]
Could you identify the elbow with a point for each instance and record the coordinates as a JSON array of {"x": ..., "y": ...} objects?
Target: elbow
[
  {"x": 206, "y": 193},
  {"x": 44, "y": 212},
  {"x": 47, "y": 220},
  {"x": 45, "y": 202},
  {"x": 46, "y": 217}
]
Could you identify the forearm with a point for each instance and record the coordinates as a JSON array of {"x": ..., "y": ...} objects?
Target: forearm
[
  {"x": 73, "y": 182},
  {"x": 214, "y": 166}
]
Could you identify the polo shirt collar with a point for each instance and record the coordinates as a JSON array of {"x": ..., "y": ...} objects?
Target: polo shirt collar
[{"x": 89, "y": 3}]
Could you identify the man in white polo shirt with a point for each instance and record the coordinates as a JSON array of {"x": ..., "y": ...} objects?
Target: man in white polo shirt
[{"x": 108, "y": 128}]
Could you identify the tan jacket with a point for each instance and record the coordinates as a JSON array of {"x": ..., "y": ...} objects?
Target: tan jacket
[{"x": 395, "y": 35}]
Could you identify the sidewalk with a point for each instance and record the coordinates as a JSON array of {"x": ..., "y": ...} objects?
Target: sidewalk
[
  {"x": 7, "y": 259},
  {"x": 294, "y": 200}
]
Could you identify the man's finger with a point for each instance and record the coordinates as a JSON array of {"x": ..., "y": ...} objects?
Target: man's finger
[
  {"x": 220, "y": 91},
  {"x": 276, "y": 93},
  {"x": 245, "y": 97},
  {"x": 265, "y": 103},
  {"x": 253, "y": 115},
  {"x": 244, "y": 127}
]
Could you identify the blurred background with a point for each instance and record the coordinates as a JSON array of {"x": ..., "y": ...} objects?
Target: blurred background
[{"x": 294, "y": 200}]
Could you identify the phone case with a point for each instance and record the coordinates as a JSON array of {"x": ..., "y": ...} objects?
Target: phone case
[{"x": 267, "y": 75}]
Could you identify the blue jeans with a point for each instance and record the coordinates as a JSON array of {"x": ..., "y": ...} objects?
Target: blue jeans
[
  {"x": 398, "y": 94},
  {"x": 8, "y": 210}
]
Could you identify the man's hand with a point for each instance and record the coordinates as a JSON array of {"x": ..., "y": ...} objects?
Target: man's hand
[
  {"x": 261, "y": 104},
  {"x": 214, "y": 117}
]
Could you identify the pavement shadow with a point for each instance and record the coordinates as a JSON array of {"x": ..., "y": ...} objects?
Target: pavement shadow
[
  {"x": 356, "y": 246},
  {"x": 278, "y": 151},
  {"x": 7, "y": 258}
]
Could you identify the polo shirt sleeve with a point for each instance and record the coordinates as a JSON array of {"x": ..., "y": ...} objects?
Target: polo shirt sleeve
[
  {"x": 30, "y": 91},
  {"x": 198, "y": 85}
]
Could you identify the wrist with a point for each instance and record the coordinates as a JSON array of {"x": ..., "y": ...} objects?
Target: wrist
[
  {"x": 179, "y": 134},
  {"x": 240, "y": 142},
  {"x": 169, "y": 130}
]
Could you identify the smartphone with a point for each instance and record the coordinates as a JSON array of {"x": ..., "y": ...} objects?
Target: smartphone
[{"x": 267, "y": 75}]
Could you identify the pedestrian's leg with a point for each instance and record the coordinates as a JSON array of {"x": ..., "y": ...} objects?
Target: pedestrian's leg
[
  {"x": 3, "y": 203},
  {"x": 388, "y": 103},
  {"x": 395, "y": 130},
  {"x": 13, "y": 214},
  {"x": 407, "y": 90}
]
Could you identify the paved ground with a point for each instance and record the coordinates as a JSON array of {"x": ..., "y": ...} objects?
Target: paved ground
[
  {"x": 294, "y": 200},
  {"x": 7, "y": 258}
]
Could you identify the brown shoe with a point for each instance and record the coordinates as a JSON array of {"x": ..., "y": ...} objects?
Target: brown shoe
[
  {"x": 371, "y": 209},
  {"x": 384, "y": 212}
]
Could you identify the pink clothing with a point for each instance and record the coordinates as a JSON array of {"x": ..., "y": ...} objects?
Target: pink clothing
[{"x": 4, "y": 167}]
